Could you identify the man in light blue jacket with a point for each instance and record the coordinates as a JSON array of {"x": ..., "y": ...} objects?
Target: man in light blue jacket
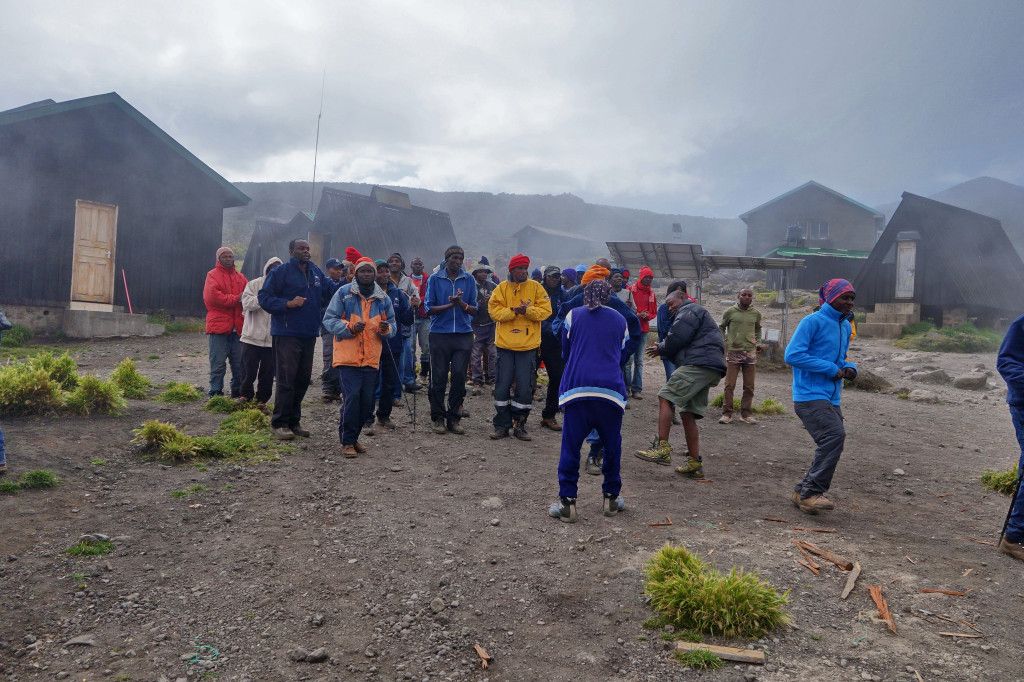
[{"x": 817, "y": 352}]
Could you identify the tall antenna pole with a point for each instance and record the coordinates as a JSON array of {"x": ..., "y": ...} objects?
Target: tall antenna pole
[{"x": 316, "y": 146}]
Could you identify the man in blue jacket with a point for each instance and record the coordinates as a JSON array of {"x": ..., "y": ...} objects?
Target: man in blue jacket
[
  {"x": 295, "y": 295},
  {"x": 817, "y": 353},
  {"x": 451, "y": 304},
  {"x": 1010, "y": 364}
]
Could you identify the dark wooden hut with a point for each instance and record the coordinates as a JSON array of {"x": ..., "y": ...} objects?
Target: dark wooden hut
[
  {"x": 91, "y": 188},
  {"x": 953, "y": 263},
  {"x": 542, "y": 245},
  {"x": 270, "y": 238}
]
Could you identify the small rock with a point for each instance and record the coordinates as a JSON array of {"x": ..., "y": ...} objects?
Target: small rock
[
  {"x": 972, "y": 381},
  {"x": 29, "y": 639},
  {"x": 317, "y": 620},
  {"x": 63, "y": 675},
  {"x": 298, "y": 654},
  {"x": 937, "y": 376},
  {"x": 369, "y": 653},
  {"x": 437, "y": 605},
  {"x": 317, "y": 655},
  {"x": 81, "y": 640},
  {"x": 11, "y": 557},
  {"x": 921, "y": 396},
  {"x": 899, "y": 472},
  {"x": 495, "y": 522},
  {"x": 492, "y": 503}
]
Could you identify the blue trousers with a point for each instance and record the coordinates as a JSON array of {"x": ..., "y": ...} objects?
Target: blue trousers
[
  {"x": 408, "y": 366},
  {"x": 824, "y": 421},
  {"x": 578, "y": 418},
  {"x": 357, "y": 386},
  {"x": 669, "y": 367},
  {"x": 225, "y": 349},
  {"x": 634, "y": 367},
  {"x": 3, "y": 448},
  {"x": 1015, "y": 525}
]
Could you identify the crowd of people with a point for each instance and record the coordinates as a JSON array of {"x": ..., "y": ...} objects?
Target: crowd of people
[{"x": 587, "y": 326}]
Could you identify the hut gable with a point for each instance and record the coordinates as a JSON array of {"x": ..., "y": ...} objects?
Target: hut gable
[
  {"x": 811, "y": 215},
  {"x": 378, "y": 228},
  {"x": 270, "y": 238},
  {"x": 112, "y": 196},
  {"x": 542, "y": 242},
  {"x": 962, "y": 259}
]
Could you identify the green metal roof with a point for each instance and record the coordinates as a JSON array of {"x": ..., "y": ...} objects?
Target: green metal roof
[
  {"x": 233, "y": 196},
  {"x": 804, "y": 186},
  {"x": 797, "y": 251}
]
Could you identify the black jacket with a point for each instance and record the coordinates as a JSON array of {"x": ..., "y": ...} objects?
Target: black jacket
[{"x": 694, "y": 339}]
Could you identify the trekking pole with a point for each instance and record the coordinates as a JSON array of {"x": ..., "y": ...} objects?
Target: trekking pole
[{"x": 1013, "y": 501}]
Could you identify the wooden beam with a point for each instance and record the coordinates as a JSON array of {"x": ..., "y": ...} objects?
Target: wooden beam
[
  {"x": 851, "y": 581},
  {"x": 726, "y": 653}
]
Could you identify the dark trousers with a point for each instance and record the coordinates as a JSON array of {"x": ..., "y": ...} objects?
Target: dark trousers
[
  {"x": 357, "y": 386},
  {"x": 449, "y": 353},
  {"x": 225, "y": 348},
  {"x": 824, "y": 421},
  {"x": 551, "y": 356},
  {"x": 1015, "y": 523},
  {"x": 293, "y": 358},
  {"x": 733, "y": 370},
  {"x": 258, "y": 368},
  {"x": 389, "y": 381},
  {"x": 578, "y": 419},
  {"x": 483, "y": 357},
  {"x": 519, "y": 366},
  {"x": 328, "y": 377}
]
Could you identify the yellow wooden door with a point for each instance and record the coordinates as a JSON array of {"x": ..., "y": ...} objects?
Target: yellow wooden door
[{"x": 92, "y": 274}]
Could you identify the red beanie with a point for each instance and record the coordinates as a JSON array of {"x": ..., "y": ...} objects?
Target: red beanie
[
  {"x": 351, "y": 255},
  {"x": 518, "y": 260}
]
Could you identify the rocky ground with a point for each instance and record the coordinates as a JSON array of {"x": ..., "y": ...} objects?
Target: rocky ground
[{"x": 393, "y": 565}]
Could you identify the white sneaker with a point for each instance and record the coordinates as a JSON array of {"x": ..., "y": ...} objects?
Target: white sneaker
[
  {"x": 750, "y": 420},
  {"x": 726, "y": 419}
]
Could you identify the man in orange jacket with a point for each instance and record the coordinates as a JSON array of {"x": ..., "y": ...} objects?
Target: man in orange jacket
[{"x": 222, "y": 295}]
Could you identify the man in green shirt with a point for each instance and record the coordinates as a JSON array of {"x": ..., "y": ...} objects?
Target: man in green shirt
[{"x": 741, "y": 327}]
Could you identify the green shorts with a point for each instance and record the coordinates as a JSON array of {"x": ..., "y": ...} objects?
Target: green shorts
[{"x": 687, "y": 388}]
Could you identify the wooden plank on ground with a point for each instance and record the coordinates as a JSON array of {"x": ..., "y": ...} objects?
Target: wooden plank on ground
[
  {"x": 851, "y": 581},
  {"x": 726, "y": 652},
  {"x": 840, "y": 561}
]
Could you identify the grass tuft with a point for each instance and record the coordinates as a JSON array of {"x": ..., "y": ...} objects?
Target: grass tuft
[
  {"x": 695, "y": 596},
  {"x": 126, "y": 376},
  {"x": 964, "y": 338},
  {"x": 766, "y": 408},
  {"x": 9, "y": 487},
  {"x": 62, "y": 368},
  {"x": 700, "y": 659},
  {"x": 222, "y": 405},
  {"x": 38, "y": 479},
  {"x": 90, "y": 548},
  {"x": 179, "y": 393},
  {"x": 95, "y": 396},
  {"x": 242, "y": 436},
  {"x": 27, "y": 390},
  {"x": 16, "y": 337},
  {"x": 1000, "y": 481}
]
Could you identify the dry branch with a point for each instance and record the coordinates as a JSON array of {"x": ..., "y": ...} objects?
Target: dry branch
[
  {"x": 817, "y": 530},
  {"x": 768, "y": 518},
  {"x": 841, "y": 562},
  {"x": 959, "y": 634},
  {"x": 485, "y": 657},
  {"x": 806, "y": 565},
  {"x": 883, "y": 607},
  {"x": 953, "y": 593}
]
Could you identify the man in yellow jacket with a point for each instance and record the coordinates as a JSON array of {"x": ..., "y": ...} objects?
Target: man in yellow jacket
[{"x": 517, "y": 306}]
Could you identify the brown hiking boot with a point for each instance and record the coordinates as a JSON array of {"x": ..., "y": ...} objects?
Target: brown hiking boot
[
  {"x": 348, "y": 451},
  {"x": 1014, "y": 549},
  {"x": 301, "y": 432},
  {"x": 499, "y": 434},
  {"x": 519, "y": 430},
  {"x": 551, "y": 424},
  {"x": 283, "y": 433},
  {"x": 360, "y": 448},
  {"x": 813, "y": 504}
]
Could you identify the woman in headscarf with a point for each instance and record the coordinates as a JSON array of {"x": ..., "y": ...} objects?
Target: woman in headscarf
[{"x": 592, "y": 396}]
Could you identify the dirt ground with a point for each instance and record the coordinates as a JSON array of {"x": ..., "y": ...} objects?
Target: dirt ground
[{"x": 397, "y": 562}]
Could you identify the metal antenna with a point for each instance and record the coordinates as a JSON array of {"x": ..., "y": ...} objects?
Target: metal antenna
[{"x": 316, "y": 146}]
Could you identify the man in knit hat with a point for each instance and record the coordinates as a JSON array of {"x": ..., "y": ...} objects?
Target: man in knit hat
[
  {"x": 817, "y": 352},
  {"x": 450, "y": 301},
  {"x": 222, "y": 294},
  {"x": 593, "y": 396},
  {"x": 517, "y": 306},
  {"x": 551, "y": 347},
  {"x": 257, "y": 346},
  {"x": 407, "y": 374},
  {"x": 330, "y": 389}
]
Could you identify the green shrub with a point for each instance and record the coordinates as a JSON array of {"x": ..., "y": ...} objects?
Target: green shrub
[
  {"x": 9, "y": 487},
  {"x": 700, "y": 659},
  {"x": 38, "y": 479},
  {"x": 27, "y": 390},
  {"x": 1000, "y": 481},
  {"x": 63, "y": 369},
  {"x": 179, "y": 393},
  {"x": 127, "y": 377},
  {"x": 249, "y": 420},
  {"x": 95, "y": 396},
  {"x": 165, "y": 441},
  {"x": 222, "y": 405},
  {"x": 694, "y": 596},
  {"x": 90, "y": 548},
  {"x": 964, "y": 338},
  {"x": 16, "y": 337}
]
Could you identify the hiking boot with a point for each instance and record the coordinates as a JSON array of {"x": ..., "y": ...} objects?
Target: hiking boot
[
  {"x": 637, "y": 396},
  {"x": 660, "y": 453},
  {"x": 413, "y": 387},
  {"x": 348, "y": 451},
  {"x": 593, "y": 465},
  {"x": 1014, "y": 549},
  {"x": 519, "y": 430},
  {"x": 499, "y": 434},
  {"x": 360, "y": 448},
  {"x": 327, "y": 398},
  {"x": 551, "y": 424},
  {"x": 397, "y": 402},
  {"x": 749, "y": 420},
  {"x": 439, "y": 426},
  {"x": 456, "y": 427},
  {"x": 813, "y": 505},
  {"x": 675, "y": 418},
  {"x": 368, "y": 430},
  {"x": 613, "y": 504},
  {"x": 283, "y": 433},
  {"x": 564, "y": 510},
  {"x": 299, "y": 431},
  {"x": 463, "y": 413},
  {"x": 386, "y": 423},
  {"x": 262, "y": 407},
  {"x": 725, "y": 419},
  {"x": 694, "y": 468},
  {"x": 477, "y": 389}
]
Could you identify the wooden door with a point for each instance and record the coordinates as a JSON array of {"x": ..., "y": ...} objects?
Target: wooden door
[
  {"x": 92, "y": 274},
  {"x": 906, "y": 256}
]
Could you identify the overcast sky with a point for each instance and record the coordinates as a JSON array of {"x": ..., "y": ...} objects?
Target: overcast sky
[{"x": 702, "y": 108}]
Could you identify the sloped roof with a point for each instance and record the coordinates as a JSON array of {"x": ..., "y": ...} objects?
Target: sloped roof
[
  {"x": 378, "y": 230},
  {"x": 963, "y": 258},
  {"x": 815, "y": 185},
  {"x": 553, "y": 233},
  {"x": 233, "y": 197}
]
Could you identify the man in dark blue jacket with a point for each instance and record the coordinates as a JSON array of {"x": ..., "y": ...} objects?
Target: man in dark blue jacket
[
  {"x": 551, "y": 347},
  {"x": 695, "y": 345},
  {"x": 391, "y": 350},
  {"x": 1010, "y": 364},
  {"x": 295, "y": 295}
]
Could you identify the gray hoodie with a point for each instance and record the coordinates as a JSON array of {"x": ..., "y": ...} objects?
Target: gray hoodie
[{"x": 256, "y": 321}]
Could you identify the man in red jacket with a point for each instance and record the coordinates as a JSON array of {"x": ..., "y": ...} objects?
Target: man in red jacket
[
  {"x": 222, "y": 295},
  {"x": 646, "y": 309}
]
